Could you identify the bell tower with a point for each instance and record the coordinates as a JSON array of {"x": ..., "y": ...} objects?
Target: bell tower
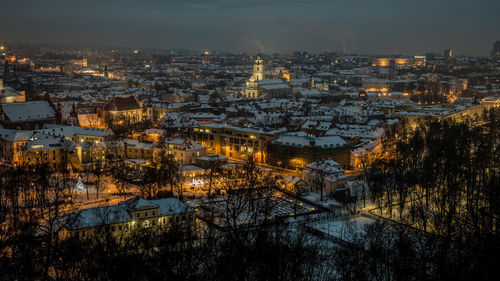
[{"x": 259, "y": 71}]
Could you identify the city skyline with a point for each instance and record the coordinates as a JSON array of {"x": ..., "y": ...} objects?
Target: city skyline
[
  {"x": 223, "y": 140},
  {"x": 364, "y": 27}
]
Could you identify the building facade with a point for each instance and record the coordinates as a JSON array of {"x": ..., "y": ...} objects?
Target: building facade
[
  {"x": 324, "y": 176},
  {"x": 123, "y": 218},
  {"x": 185, "y": 151},
  {"x": 124, "y": 108},
  {"x": 258, "y": 86},
  {"x": 234, "y": 142}
]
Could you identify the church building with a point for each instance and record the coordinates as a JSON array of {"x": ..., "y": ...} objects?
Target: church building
[{"x": 260, "y": 87}]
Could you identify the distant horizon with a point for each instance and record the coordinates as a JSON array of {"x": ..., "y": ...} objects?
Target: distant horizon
[{"x": 200, "y": 51}]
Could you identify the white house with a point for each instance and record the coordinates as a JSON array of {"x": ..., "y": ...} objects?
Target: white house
[{"x": 327, "y": 173}]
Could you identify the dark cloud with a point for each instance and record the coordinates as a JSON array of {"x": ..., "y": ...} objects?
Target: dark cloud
[{"x": 363, "y": 26}]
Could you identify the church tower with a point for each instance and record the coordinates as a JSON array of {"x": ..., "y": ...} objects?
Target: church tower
[
  {"x": 311, "y": 82},
  {"x": 259, "y": 72}
]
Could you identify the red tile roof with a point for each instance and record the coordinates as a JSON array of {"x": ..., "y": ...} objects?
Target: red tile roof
[{"x": 120, "y": 103}]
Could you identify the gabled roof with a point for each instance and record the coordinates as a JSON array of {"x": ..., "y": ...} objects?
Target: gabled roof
[
  {"x": 43, "y": 141},
  {"x": 187, "y": 144},
  {"x": 95, "y": 217},
  {"x": 70, "y": 131},
  {"x": 167, "y": 206},
  {"x": 119, "y": 213},
  {"x": 122, "y": 102},
  {"x": 15, "y": 135},
  {"x": 28, "y": 111}
]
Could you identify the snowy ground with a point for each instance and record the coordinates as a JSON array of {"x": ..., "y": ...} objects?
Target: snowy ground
[{"x": 344, "y": 228}]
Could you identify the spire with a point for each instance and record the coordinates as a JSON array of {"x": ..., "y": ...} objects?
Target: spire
[
  {"x": 311, "y": 82},
  {"x": 6, "y": 68},
  {"x": 73, "y": 110},
  {"x": 59, "y": 114}
]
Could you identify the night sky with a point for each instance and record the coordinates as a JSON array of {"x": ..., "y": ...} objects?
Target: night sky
[{"x": 352, "y": 26}]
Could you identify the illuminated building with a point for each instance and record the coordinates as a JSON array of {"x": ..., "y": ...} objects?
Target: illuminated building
[
  {"x": 234, "y": 142},
  {"x": 381, "y": 62},
  {"x": 90, "y": 143},
  {"x": 28, "y": 115},
  {"x": 120, "y": 219},
  {"x": 10, "y": 95},
  {"x": 267, "y": 88},
  {"x": 318, "y": 84},
  {"x": 258, "y": 86},
  {"x": 90, "y": 120},
  {"x": 134, "y": 149},
  {"x": 10, "y": 58},
  {"x": 280, "y": 73},
  {"x": 49, "y": 69},
  {"x": 296, "y": 150},
  {"x": 327, "y": 173},
  {"x": 11, "y": 145},
  {"x": 24, "y": 64},
  {"x": 490, "y": 102},
  {"x": 416, "y": 61},
  {"x": 259, "y": 71},
  {"x": 53, "y": 151},
  {"x": 77, "y": 134},
  {"x": 124, "y": 108},
  {"x": 363, "y": 155},
  {"x": 149, "y": 135},
  {"x": 401, "y": 61},
  {"x": 448, "y": 53},
  {"x": 46, "y": 146},
  {"x": 419, "y": 60},
  {"x": 375, "y": 85},
  {"x": 185, "y": 151}
]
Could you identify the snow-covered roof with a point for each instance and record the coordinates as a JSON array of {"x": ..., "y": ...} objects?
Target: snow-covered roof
[
  {"x": 15, "y": 135},
  {"x": 43, "y": 141},
  {"x": 69, "y": 131},
  {"x": 242, "y": 129},
  {"x": 304, "y": 141},
  {"x": 186, "y": 144},
  {"x": 28, "y": 111},
  {"x": 137, "y": 144},
  {"x": 366, "y": 148},
  {"x": 121, "y": 212},
  {"x": 348, "y": 131}
]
